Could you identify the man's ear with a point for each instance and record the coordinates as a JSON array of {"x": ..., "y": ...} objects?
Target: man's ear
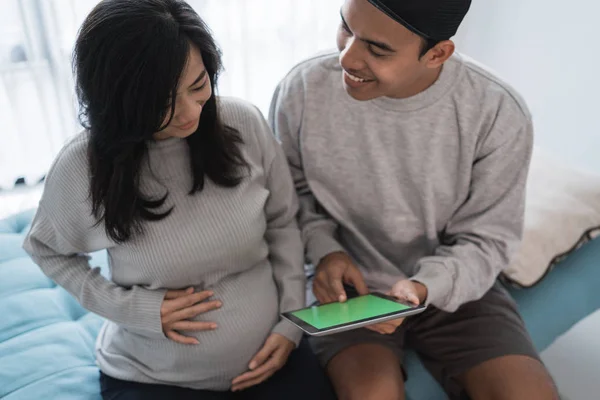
[{"x": 439, "y": 54}]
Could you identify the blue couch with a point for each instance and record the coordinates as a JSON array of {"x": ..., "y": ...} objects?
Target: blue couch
[{"x": 47, "y": 339}]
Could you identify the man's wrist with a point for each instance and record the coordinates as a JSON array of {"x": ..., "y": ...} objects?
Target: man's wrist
[
  {"x": 332, "y": 254},
  {"x": 320, "y": 246},
  {"x": 422, "y": 291}
]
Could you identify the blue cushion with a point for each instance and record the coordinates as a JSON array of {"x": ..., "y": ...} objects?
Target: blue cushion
[
  {"x": 47, "y": 339},
  {"x": 566, "y": 296}
]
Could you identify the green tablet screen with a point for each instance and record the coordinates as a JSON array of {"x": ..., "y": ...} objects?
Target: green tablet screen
[{"x": 353, "y": 310}]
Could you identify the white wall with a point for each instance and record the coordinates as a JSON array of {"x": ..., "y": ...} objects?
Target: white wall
[{"x": 549, "y": 51}]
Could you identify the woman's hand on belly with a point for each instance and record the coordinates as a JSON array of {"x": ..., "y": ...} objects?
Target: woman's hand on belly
[
  {"x": 270, "y": 359},
  {"x": 179, "y": 307}
]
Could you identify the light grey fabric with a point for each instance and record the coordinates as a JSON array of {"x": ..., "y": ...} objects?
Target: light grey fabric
[
  {"x": 562, "y": 212},
  {"x": 431, "y": 187},
  {"x": 243, "y": 243}
]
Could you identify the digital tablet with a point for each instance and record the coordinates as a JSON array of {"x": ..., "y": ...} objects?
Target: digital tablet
[{"x": 355, "y": 313}]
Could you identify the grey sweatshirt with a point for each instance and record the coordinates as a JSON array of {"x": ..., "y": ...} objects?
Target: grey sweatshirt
[
  {"x": 429, "y": 188},
  {"x": 242, "y": 243}
]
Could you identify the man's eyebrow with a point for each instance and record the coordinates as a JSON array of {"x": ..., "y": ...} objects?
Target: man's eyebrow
[{"x": 381, "y": 45}]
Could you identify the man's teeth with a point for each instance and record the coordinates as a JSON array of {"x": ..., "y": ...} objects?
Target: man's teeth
[{"x": 355, "y": 78}]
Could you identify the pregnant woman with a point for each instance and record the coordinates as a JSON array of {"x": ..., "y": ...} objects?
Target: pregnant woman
[{"x": 192, "y": 198}]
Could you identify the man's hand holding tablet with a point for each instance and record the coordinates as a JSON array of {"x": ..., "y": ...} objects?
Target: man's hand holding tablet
[{"x": 342, "y": 310}]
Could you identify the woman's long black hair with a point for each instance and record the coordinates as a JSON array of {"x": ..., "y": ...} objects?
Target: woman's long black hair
[{"x": 128, "y": 59}]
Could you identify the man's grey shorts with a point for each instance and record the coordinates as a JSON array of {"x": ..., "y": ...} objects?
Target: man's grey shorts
[{"x": 449, "y": 343}]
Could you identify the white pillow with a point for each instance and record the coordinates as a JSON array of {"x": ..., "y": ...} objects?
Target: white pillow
[{"x": 562, "y": 213}]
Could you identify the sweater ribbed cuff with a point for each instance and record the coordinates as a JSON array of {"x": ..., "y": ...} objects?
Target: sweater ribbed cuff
[
  {"x": 144, "y": 316},
  {"x": 439, "y": 283},
  {"x": 288, "y": 330},
  {"x": 320, "y": 245}
]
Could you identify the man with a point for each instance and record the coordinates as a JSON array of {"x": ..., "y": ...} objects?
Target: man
[{"x": 410, "y": 163}]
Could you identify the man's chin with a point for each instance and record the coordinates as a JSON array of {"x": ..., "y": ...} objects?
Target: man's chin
[{"x": 360, "y": 95}]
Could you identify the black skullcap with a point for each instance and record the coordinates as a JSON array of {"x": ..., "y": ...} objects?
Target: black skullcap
[{"x": 431, "y": 19}]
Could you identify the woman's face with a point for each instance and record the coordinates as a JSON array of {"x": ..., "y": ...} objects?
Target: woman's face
[{"x": 193, "y": 91}]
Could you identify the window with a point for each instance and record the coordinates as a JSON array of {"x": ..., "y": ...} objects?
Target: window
[{"x": 261, "y": 41}]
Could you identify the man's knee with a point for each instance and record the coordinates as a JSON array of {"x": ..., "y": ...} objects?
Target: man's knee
[
  {"x": 367, "y": 371},
  {"x": 372, "y": 393},
  {"x": 510, "y": 377}
]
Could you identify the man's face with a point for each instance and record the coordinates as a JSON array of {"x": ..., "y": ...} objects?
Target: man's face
[{"x": 380, "y": 57}]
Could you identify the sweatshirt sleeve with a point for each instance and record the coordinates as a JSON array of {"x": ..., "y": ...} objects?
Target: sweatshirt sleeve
[
  {"x": 64, "y": 231},
  {"x": 485, "y": 232},
  {"x": 317, "y": 227},
  {"x": 283, "y": 237}
]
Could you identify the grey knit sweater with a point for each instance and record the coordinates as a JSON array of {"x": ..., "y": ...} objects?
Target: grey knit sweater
[
  {"x": 430, "y": 187},
  {"x": 242, "y": 243}
]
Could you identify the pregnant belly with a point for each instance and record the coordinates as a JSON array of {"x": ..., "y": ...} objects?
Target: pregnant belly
[{"x": 244, "y": 323}]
